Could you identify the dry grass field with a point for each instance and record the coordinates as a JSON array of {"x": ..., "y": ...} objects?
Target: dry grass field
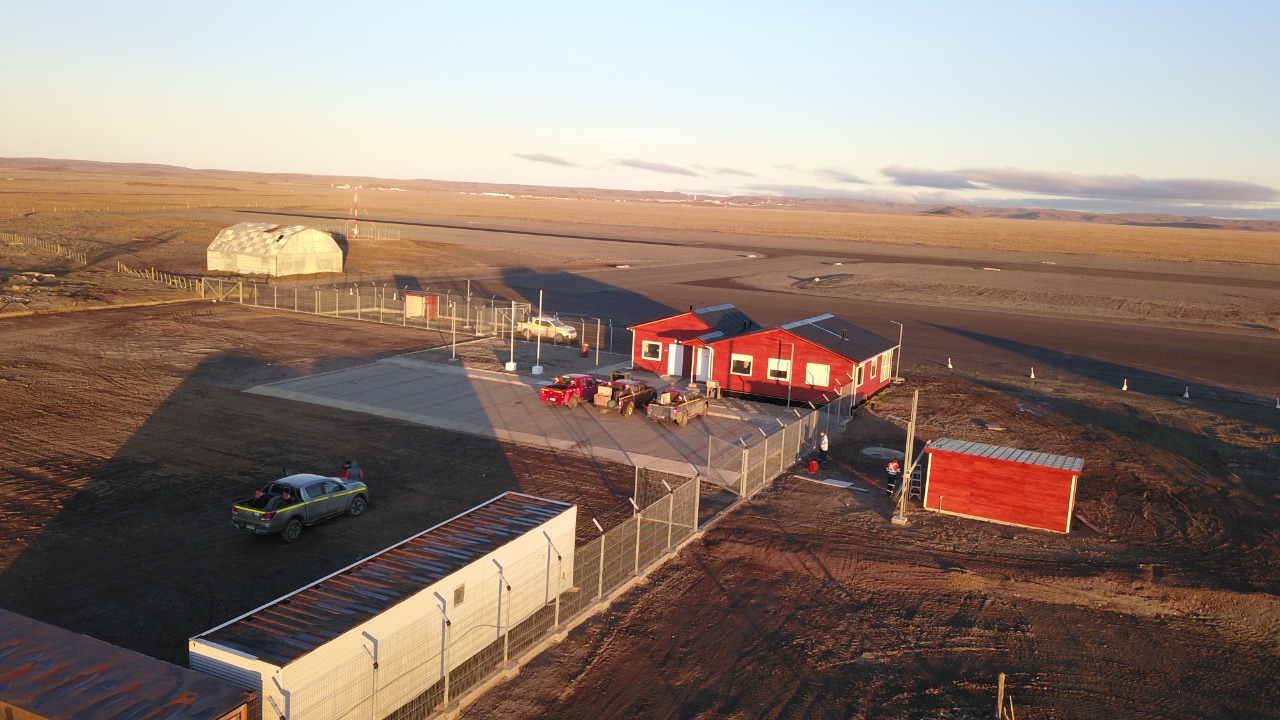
[{"x": 49, "y": 201}]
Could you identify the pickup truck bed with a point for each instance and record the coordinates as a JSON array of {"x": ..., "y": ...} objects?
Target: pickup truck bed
[{"x": 291, "y": 503}]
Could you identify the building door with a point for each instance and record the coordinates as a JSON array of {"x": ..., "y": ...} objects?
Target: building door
[
  {"x": 675, "y": 359},
  {"x": 703, "y": 363}
]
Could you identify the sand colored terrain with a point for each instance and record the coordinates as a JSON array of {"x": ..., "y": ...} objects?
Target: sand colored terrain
[{"x": 126, "y": 432}]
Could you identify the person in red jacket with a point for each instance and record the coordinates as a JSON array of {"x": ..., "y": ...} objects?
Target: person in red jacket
[
  {"x": 351, "y": 470},
  {"x": 893, "y": 471}
]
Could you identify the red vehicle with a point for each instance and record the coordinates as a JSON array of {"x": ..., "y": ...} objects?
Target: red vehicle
[{"x": 569, "y": 390}]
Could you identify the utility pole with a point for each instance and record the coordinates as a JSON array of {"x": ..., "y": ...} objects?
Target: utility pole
[
  {"x": 897, "y": 355},
  {"x": 908, "y": 467}
]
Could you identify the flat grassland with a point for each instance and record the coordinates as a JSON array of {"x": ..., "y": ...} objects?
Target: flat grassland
[{"x": 125, "y": 433}]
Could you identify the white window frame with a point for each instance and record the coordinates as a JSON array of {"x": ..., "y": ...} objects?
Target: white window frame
[
  {"x": 779, "y": 370},
  {"x": 733, "y": 360},
  {"x": 886, "y": 365},
  {"x": 645, "y": 345},
  {"x": 816, "y": 379},
  {"x": 872, "y": 367},
  {"x": 858, "y": 375}
]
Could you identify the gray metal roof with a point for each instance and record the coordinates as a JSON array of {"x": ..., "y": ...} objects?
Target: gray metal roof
[
  {"x": 57, "y": 674},
  {"x": 840, "y": 336},
  {"x": 1030, "y": 457},
  {"x": 261, "y": 238},
  {"x": 725, "y": 321},
  {"x": 296, "y": 624}
]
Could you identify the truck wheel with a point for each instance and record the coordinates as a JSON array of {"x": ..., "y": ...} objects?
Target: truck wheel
[
  {"x": 292, "y": 531},
  {"x": 682, "y": 419},
  {"x": 628, "y": 409},
  {"x": 572, "y": 402},
  {"x": 526, "y": 335},
  {"x": 357, "y": 507}
]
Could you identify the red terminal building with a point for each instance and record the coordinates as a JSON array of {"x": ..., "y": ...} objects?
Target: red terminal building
[
  {"x": 817, "y": 359},
  {"x": 999, "y": 484}
]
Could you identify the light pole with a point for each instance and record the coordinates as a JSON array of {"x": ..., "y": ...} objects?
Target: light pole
[{"x": 897, "y": 356}]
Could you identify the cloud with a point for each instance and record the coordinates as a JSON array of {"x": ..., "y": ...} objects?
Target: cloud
[
  {"x": 657, "y": 167},
  {"x": 838, "y": 175},
  {"x": 732, "y": 171},
  {"x": 1071, "y": 185},
  {"x": 802, "y": 191},
  {"x": 549, "y": 159}
]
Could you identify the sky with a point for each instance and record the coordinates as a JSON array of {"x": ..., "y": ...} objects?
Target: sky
[{"x": 1100, "y": 106}]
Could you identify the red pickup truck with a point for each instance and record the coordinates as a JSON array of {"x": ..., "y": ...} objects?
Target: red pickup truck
[{"x": 569, "y": 390}]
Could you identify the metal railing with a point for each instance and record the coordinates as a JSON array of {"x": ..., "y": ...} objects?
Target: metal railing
[{"x": 424, "y": 667}]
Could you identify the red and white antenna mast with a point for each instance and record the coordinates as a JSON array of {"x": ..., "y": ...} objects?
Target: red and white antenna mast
[{"x": 355, "y": 215}]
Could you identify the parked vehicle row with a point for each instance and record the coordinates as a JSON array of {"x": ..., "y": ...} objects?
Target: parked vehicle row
[{"x": 625, "y": 396}]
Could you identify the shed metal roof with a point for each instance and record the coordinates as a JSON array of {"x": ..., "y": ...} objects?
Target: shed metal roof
[
  {"x": 840, "y": 336},
  {"x": 996, "y": 452},
  {"x": 57, "y": 674},
  {"x": 294, "y": 625}
]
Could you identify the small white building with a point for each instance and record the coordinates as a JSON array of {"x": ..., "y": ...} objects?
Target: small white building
[
  {"x": 265, "y": 249},
  {"x": 387, "y": 631}
]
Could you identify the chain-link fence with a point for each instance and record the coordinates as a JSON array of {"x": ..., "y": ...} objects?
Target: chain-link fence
[
  {"x": 423, "y": 668},
  {"x": 747, "y": 464},
  {"x": 473, "y": 316}
]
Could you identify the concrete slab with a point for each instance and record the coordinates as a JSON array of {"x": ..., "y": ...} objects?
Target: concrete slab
[{"x": 506, "y": 406}]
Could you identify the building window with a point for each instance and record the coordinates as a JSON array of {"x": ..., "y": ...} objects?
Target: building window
[
  {"x": 872, "y": 367},
  {"x": 817, "y": 375},
  {"x": 857, "y": 372},
  {"x": 779, "y": 369},
  {"x": 740, "y": 364},
  {"x": 650, "y": 350},
  {"x": 886, "y": 365},
  {"x": 459, "y": 594}
]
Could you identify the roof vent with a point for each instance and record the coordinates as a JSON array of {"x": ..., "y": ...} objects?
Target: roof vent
[
  {"x": 844, "y": 335},
  {"x": 746, "y": 324}
]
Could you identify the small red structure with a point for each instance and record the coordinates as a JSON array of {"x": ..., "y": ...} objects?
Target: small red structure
[{"x": 1004, "y": 485}]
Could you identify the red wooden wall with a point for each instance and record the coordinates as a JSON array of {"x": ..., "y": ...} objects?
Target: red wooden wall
[
  {"x": 683, "y": 327},
  {"x": 1003, "y": 491},
  {"x": 777, "y": 344}
]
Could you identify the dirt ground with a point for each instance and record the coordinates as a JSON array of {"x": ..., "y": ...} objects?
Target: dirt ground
[
  {"x": 808, "y": 602},
  {"x": 126, "y": 435}
]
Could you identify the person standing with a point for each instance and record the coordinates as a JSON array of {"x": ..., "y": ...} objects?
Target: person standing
[
  {"x": 823, "y": 449},
  {"x": 351, "y": 470},
  {"x": 893, "y": 472}
]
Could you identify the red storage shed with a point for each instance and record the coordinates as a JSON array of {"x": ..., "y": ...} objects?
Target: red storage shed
[{"x": 1000, "y": 484}]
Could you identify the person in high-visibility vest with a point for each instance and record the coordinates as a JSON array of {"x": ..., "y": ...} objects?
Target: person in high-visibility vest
[{"x": 894, "y": 471}]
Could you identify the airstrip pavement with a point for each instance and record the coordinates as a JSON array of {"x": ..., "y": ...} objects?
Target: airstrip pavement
[{"x": 505, "y": 406}]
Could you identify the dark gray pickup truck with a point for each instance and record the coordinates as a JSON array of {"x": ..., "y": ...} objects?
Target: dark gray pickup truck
[{"x": 291, "y": 503}]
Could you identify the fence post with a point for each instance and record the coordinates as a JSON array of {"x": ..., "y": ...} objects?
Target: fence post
[
  {"x": 671, "y": 516},
  {"x": 742, "y": 475},
  {"x": 637, "y": 568}
]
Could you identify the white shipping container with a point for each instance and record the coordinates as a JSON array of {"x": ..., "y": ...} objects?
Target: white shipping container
[{"x": 371, "y": 637}]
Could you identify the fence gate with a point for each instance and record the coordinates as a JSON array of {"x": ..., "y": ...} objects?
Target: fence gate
[
  {"x": 724, "y": 463},
  {"x": 219, "y": 289}
]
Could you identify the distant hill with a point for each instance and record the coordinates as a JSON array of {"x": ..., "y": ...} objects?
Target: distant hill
[{"x": 827, "y": 204}]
